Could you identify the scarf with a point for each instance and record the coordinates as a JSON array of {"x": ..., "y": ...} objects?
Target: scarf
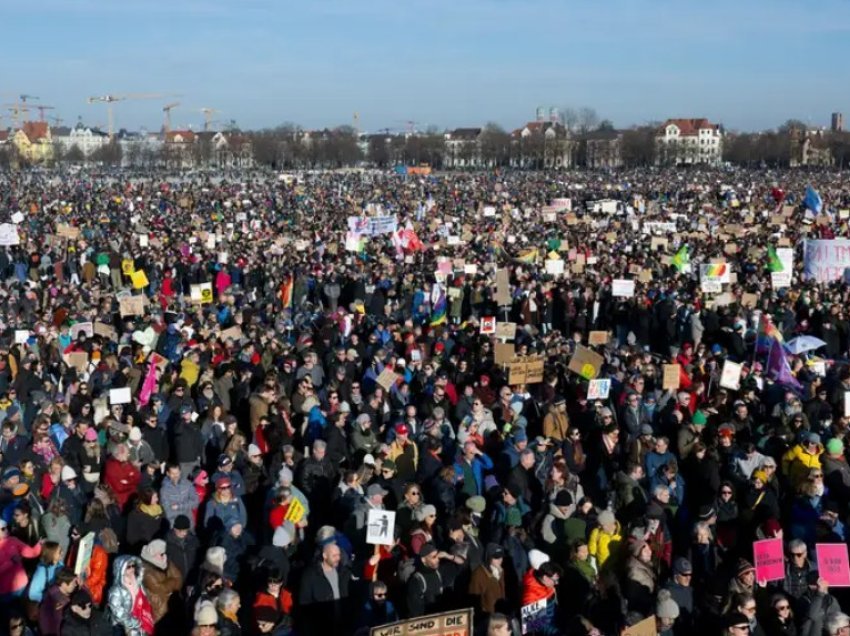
[
  {"x": 154, "y": 510},
  {"x": 230, "y": 615}
]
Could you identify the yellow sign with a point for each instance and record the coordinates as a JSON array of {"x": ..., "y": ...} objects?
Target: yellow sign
[
  {"x": 127, "y": 266},
  {"x": 140, "y": 280},
  {"x": 295, "y": 512}
]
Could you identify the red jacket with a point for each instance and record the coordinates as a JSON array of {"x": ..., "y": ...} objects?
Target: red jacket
[
  {"x": 533, "y": 590},
  {"x": 123, "y": 478}
]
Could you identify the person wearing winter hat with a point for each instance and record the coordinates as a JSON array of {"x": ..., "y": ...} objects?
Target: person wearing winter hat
[
  {"x": 641, "y": 578},
  {"x": 681, "y": 591},
  {"x": 690, "y": 434},
  {"x": 605, "y": 538},
  {"x": 182, "y": 546},
  {"x": 162, "y": 579},
  {"x": 561, "y": 526},
  {"x": 745, "y": 578},
  {"x": 666, "y": 613},
  {"x": 801, "y": 458},
  {"x": 214, "y": 560},
  {"x": 206, "y": 619},
  {"x": 487, "y": 584}
]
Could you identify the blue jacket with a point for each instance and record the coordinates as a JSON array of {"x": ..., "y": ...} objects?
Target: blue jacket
[{"x": 479, "y": 464}]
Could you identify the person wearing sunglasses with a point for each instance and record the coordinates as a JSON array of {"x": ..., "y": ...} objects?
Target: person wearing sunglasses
[
  {"x": 781, "y": 619},
  {"x": 81, "y": 618}
]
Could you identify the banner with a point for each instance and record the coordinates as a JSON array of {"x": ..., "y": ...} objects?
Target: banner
[
  {"x": 372, "y": 225},
  {"x": 769, "y": 560},
  {"x": 536, "y": 616},
  {"x": 455, "y": 623},
  {"x": 824, "y": 261}
]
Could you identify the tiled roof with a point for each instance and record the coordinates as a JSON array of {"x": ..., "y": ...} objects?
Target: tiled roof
[
  {"x": 690, "y": 126},
  {"x": 35, "y": 130}
]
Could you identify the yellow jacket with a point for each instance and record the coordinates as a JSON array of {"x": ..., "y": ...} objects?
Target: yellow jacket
[
  {"x": 601, "y": 544},
  {"x": 189, "y": 371},
  {"x": 797, "y": 462}
]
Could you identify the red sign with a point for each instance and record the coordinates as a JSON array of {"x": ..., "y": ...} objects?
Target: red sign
[
  {"x": 488, "y": 325},
  {"x": 833, "y": 564}
]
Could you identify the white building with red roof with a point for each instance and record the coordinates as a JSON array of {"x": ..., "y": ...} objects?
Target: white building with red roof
[{"x": 689, "y": 141}]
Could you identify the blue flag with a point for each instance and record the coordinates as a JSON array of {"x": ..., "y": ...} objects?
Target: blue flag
[{"x": 813, "y": 201}]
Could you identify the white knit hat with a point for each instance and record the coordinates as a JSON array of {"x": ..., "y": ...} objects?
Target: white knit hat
[
  {"x": 68, "y": 473},
  {"x": 537, "y": 558},
  {"x": 214, "y": 560},
  {"x": 206, "y": 614}
]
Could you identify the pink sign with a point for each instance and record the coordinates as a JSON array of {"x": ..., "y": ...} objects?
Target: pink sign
[
  {"x": 769, "y": 560},
  {"x": 833, "y": 564}
]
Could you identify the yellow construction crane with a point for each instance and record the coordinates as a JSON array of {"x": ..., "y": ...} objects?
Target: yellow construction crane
[
  {"x": 167, "y": 110},
  {"x": 111, "y": 99},
  {"x": 17, "y": 110},
  {"x": 208, "y": 113}
]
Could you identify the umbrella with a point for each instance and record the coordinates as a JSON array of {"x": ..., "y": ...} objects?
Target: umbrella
[{"x": 802, "y": 344}]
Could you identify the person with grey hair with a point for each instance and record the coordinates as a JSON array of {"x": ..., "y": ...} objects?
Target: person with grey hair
[
  {"x": 228, "y": 604},
  {"x": 838, "y": 625},
  {"x": 797, "y": 570}
]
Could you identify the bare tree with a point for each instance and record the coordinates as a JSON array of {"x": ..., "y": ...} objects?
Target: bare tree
[
  {"x": 587, "y": 119},
  {"x": 495, "y": 145}
]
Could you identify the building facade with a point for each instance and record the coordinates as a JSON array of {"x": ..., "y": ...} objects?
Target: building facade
[
  {"x": 689, "y": 141},
  {"x": 544, "y": 145},
  {"x": 463, "y": 149}
]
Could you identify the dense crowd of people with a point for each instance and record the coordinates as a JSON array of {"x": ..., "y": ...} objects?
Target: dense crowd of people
[{"x": 207, "y": 386}]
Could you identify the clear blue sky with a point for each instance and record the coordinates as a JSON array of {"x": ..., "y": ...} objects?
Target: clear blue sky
[{"x": 749, "y": 64}]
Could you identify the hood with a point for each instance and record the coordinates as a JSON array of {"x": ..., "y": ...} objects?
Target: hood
[
  {"x": 121, "y": 564},
  {"x": 556, "y": 512}
]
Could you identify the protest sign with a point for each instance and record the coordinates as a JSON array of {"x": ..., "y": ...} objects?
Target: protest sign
[
  {"x": 386, "y": 379},
  {"x": 646, "y": 627},
  {"x": 79, "y": 360},
  {"x": 131, "y": 306},
  {"x": 120, "y": 396},
  {"x": 84, "y": 550},
  {"x": 824, "y": 261},
  {"x": 67, "y": 231},
  {"x": 555, "y": 267},
  {"x": 783, "y": 278},
  {"x": 202, "y": 293},
  {"x": 599, "y": 389},
  {"x": 139, "y": 279},
  {"x": 505, "y": 330},
  {"x": 586, "y": 363},
  {"x": 749, "y": 300},
  {"x": 598, "y": 338},
  {"x": 17, "y": 218},
  {"x": 504, "y": 352},
  {"x": 535, "y": 616},
  {"x": 833, "y": 565},
  {"x": 711, "y": 286},
  {"x": 143, "y": 240},
  {"x": 372, "y": 225},
  {"x": 503, "y": 291},
  {"x": 847, "y": 404},
  {"x": 86, "y": 328},
  {"x": 106, "y": 331},
  {"x": 769, "y": 560},
  {"x": 295, "y": 511},
  {"x": 488, "y": 325},
  {"x": 232, "y": 333},
  {"x": 128, "y": 266},
  {"x": 672, "y": 377},
  {"x": 380, "y": 526},
  {"x": 623, "y": 288},
  {"x": 525, "y": 370},
  {"x": 9, "y": 235},
  {"x": 718, "y": 272},
  {"x": 730, "y": 378},
  {"x": 21, "y": 336},
  {"x": 454, "y": 623}
]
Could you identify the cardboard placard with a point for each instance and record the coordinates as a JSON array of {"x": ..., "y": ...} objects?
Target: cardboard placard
[
  {"x": 380, "y": 526},
  {"x": 647, "y": 627},
  {"x": 86, "y": 328},
  {"x": 386, "y": 379},
  {"x": 749, "y": 300},
  {"x": 598, "y": 338},
  {"x": 503, "y": 288},
  {"x": 232, "y": 333},
  {"x": 106, "y": 331},
  {"x": 672, "y": 377},
  {"x": 79, "y": 360},
  {"x": 67, "y": 231},
  {"x": 769, "y": 560},
  {"x": 505, "y": 330},
  {"x": 525, "y": 370},
  {"x": 504, "y": 352},
  {"x": 131, "y": 306},
  {"x": 833, "y": 565},
  {"x": 586, "y": 363},
  {"x": 454, "y": 623}
]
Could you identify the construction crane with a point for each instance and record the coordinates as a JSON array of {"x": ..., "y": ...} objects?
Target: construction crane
[
  {"x": 167, "y": 110},
  {"x": 17, "y": 110},
  {"x": 208, "y": 112},
  {"x": 109, "y": 100},
  {"x": 411, "y": 125},
  {"x": 41, "y": 110},
  {"x": 57, "y": 121},
  {"x": 24, "y": 98}
]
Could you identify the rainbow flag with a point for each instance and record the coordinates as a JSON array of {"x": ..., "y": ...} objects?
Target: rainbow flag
[
  {"x": 527, "y": 256},
  {"x": 715, "y": 270},
  {"x": 439, "y": 307},
  {"x": 286, "y": 292}
]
